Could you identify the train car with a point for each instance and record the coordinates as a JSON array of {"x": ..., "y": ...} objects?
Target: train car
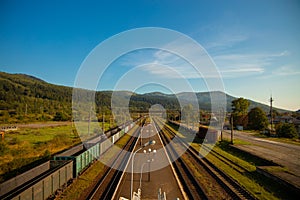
[
  {"x": 202, "y": 132},
  {"x": 82, "y": 160},
  {"x": 126, "y": 129},
  {"x": 115, "y": 137},
  {"x": 86, "y": 158},
  {"x": 72, "y": 151},
  {"x": 68, "y": 165},
  {"x": 105, "y": 145},
  {"x": 122, "y": 132},
  {"x": 206, "y": 133},
  {"x": 47, "y": 184}
]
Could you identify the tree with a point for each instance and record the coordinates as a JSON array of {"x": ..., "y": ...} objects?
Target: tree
[
  {"x": 188, "y": 114},
  {"x": 59, "y": 116},
  {"x": 286, "y": 130},
  {"x": 257, "y": 119},
  {"x": 240, "y": 106},
  {"x": 239, "y": 111}
]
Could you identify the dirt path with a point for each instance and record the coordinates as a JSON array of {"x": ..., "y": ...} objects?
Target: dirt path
[{"x": 40, "y": 124}]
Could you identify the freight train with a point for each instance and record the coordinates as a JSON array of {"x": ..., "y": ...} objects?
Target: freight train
[{"x": 62, "y": 169}]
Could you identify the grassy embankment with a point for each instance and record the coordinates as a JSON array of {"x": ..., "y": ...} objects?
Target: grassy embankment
[
  {"x": 258, "y": 185},
  {"x": 27, "y": 147},
  {"x": 295, "y": 141}
]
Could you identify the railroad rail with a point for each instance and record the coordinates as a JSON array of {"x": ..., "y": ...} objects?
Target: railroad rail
[
  {"x": 191, "y": 185},
  {"x": 230, "y": 186}
]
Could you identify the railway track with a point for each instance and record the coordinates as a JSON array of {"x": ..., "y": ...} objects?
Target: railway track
[
  {"x": 106, "y": 185},
  {"x": 225, "y": 160},
  {"x": 191, "y": 185},
  {"x": 232, "y": 189}
]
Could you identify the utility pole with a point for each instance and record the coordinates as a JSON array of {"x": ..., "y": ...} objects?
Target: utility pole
[
  {"x": 221, "y": 118},
  {"x": 231, "y": 138},
  {"x": 271, "y": 112},
  {"x": 26, "y": 109},
  {"x": 89, "y": 122},
  {"x": 103, "y": 118}
]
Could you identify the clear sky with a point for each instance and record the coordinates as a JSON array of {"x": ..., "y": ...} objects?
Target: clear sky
[{"x": 255, "y": 44}]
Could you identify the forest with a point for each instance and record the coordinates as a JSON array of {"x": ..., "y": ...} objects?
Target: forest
[{"x": 24, "y": 98}]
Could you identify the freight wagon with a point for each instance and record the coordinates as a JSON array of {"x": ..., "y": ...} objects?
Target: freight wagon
[
  {"x": 82, "y": 160},
  {"x": 206, "y": 133},
  {"x": 65, "y": 167},
  {"x": 44, "y": 185}
]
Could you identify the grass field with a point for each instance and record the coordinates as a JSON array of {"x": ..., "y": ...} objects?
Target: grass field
[
  {"x": 260, "y": 186},
  {"x": 32, "y": 144}
]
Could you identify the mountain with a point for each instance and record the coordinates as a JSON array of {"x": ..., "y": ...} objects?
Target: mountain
[
  {"x": 23, "y": 96},
  {"x": 204, "y": 100},
  {"x": 26, "y": 98}
]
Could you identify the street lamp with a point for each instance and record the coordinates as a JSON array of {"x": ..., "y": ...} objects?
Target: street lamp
[
  {"x": 149, "y": 151},
  {"x": 148, "y": 161},
  {"x": 151, "y": 142},
  {"x": 141, "y": 135}
]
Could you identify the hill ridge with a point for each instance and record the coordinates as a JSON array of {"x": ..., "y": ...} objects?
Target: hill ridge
[{"x": 27, "y": 98}]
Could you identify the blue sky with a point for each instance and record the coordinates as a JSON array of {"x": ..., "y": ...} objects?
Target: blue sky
[{"x": 254, "y": 44}]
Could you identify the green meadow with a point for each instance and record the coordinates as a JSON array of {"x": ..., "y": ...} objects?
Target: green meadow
[{"x": 31, "y": 145}]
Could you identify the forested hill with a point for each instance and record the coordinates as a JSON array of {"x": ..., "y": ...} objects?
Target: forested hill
[{"x": 24, "y": 98}]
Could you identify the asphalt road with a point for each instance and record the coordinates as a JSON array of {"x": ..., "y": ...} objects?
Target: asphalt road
[{"x": 284, "y": 154}]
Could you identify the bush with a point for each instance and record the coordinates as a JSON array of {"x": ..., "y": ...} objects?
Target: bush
[
  {"x": 286, "y": 130},
  {"x": 59, "y": 116},
  {"x": 14, "y": 141},
  {"x": 61, "y": 139},
  {"x": 3, "y": 148},
  {"x": 47, "y": 154}
]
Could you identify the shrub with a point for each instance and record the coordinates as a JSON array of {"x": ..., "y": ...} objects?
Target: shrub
[
  {"x": 3, "y": 148},
  {"x": 14, "y": 141},
  {"x": 47, "y": 154},
  {"x": 59, "y": 116},
  {"x": 60, "y": 139},
  {"x": 286, "y": 130}
]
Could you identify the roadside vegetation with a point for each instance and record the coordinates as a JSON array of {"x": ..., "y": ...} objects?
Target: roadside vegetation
[
  {"x": 257, "y": 120},
  {"x": 242, "y": 167},
  {"x": 286, "y": 130},
  {"x": 27, "y": 147},
  {"x": 245, "y": 172}
]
